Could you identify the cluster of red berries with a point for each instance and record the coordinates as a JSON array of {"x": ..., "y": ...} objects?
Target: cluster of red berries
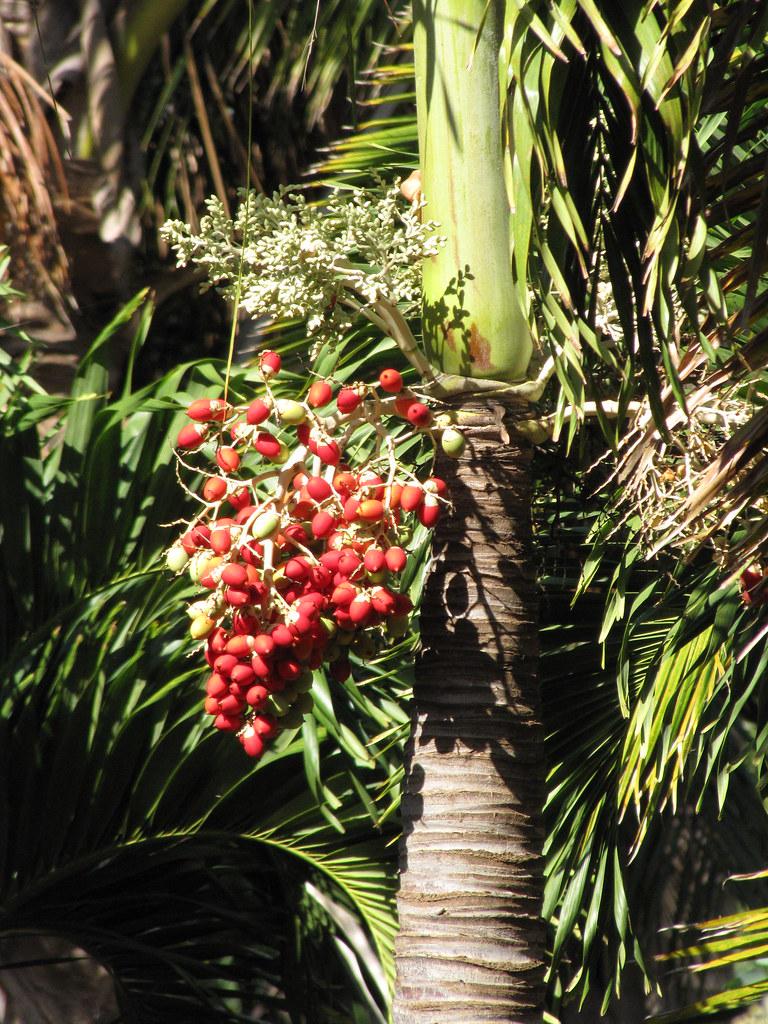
[{"x": 300, "y": 553}]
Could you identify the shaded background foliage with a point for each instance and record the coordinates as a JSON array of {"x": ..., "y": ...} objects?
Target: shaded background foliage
[{"x": 653, "y": 695}]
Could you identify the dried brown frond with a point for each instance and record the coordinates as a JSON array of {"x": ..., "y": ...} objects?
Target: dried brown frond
[{"x": 31, "y": 183}]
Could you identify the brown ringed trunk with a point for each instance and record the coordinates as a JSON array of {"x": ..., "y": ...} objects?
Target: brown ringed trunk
[{"x": 471, "y": 942}]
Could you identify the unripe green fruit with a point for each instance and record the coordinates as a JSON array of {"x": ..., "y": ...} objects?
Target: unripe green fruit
[
  {"x": 397, "y": 626},
  {"x": 283, "y": 455},
  {"x": 291, "y": 412},
  {"x": 265, "y": 525},
  {"x": 304, "y": 683},
  {"x": 305, "y": 703},
  {"x": 329, "y": 626},
  {"x": 453, "y": 442},
  {"x": 291, "y": 719},
  {"x": 378, "y": 577},
  {"x": 201, "y": 627},
  {"x": 363, "y": 645},
  {"x": 176, "y": 558},
  {"x": 280, "y": 703},
  {"x": 445, "y": 419},
  {"x": 344, "y": 637},
  {"x": 194, "y": 567}
]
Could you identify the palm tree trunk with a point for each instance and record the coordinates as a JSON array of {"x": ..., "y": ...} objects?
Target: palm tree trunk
[{"x": 471, "y": 940}]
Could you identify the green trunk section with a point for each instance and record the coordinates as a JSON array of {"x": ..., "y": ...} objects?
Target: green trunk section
[{"x": 473, "y": 325}]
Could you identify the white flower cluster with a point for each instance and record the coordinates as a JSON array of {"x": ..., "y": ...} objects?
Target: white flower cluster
[{"x": 324, "y": 262}]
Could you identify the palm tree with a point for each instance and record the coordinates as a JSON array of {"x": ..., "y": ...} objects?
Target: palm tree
[{"x": 615, "y": 167}]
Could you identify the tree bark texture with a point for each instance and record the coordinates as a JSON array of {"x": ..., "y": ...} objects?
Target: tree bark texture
[{"x": 471, "y": 942}]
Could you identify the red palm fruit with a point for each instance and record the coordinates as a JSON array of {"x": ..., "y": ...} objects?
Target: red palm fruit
[
  {"x": 351, "y": 506},
  {"x": 303, "y": 649},
  {"x": 403, "y": 604},
  {"x": 257, "y": 696},
  {"x": 240, "y": 432},
  {"x": 383, "y": 601},
  {"x": 319, "y": 394},
  {"x": 395, "y": 493},
  {"x": 412, "y": 497},
  {"x": 348, "y": 400},
  {"x": 281, "y": 635},
  {"x": 303, "y": 507},
  {"x": 201, "y": 534},
  {"x": 318, "y": 488},
  {"x": 296, "y": 569},
  {"x": 391, "y": 381},
  {"x": 436, "y": 485},
  {"x": 252, "y": 743},
  {"x": 322, "y": 524},
  {"x": 192, "y": 436},
  {"x": 289, "y": 669},
  {"x": 264, "y": 645},
  {"x": 299, "y": 481},
  {"x": 330, "y": 559},
  {"x": 243, "y": 623},
  {"x": 270, "y": 363},
  {"x": 260, "y": 667},
  {"x": 207, "y": 410},
  {"x": 207, "y": 579},
  {"x": 302, "y": 433},
  {"x": 231, "y": 704},
  {"x": 216, "y": 685},
  {"x": 340, "y": 669},
  {"x": 344, "y": 595},
  {"x": 227, "y": 723},
  {"x": 345, "y": 483},
  {"x": 251, "y": 554},
  {"x": 302, "y": 626},
  {"x": 258, "y": 411},
  {"x": 252, "y": 574},
  {"x": 225, "y": 663},
  {"x": 429, "y": 513},
  {"x": 321, "y": 576},
  {"x": 419, "y": 415},
  {"x": 234, "y": 575},
  {"x": 240, "y": 646},
  {"x": 214, "y": 488},
  {"x": 395, "y": 558},
  {"x": 236, "y": 596},
  {"x": 239, "y": 499},
  {"x": 372, "y": 485},
  {"x": 266, "y": 726},
  {"x": 750, "y": 581},
  {"x": 371, "y": 510},
  {"x": 328, "y": 452},
  {"x": 341, "y": 615},
  {"x": 189, "y": 543},
  {"x": 313, "y": 599},
  {"x": 228, "y": 459},
  {"x": 242, "y": 674},
  {"x": 221, "y": 541},
  {"x": 374, "y": 560},
  {"x": 211, "y": 706},
  {"x": 349, "y": 562},
  {"x": 360, "y": 609},
  {"x": 402, "y": 405},
  {"x": 245, "y": 514},
  {"x": 267, "y": 445},
  {"x": 217, "y": 641},
  {"x": 296, "y": 531}
]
